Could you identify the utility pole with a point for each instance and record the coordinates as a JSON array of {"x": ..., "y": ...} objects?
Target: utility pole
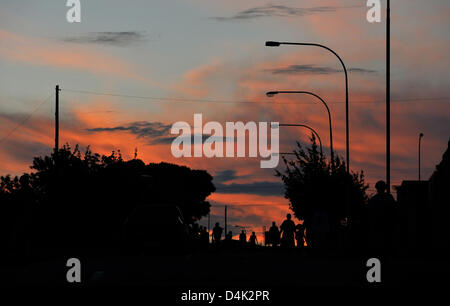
[
  {"x": 388, "y": 97},
  {"x": 57, "y": 90},
  {"x": 225, "y": 220}
]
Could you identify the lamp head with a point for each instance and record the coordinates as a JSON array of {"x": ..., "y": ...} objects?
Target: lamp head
[
  {"x": 272, "y": 43},
  {"x": 270, "y": 94}
]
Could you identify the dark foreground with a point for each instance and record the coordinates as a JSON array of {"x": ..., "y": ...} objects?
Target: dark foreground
[{"x": 284, "y": 273}]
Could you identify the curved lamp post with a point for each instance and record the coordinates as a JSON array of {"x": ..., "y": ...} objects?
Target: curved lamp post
[
  {"x": 273, "y": 93},
  {"x": 277, "y": 44},
  {"x": 309, "y": 128}
]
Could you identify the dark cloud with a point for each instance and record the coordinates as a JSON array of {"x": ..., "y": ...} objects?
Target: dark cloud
[
  {"x": 258, "y": 188},
  {"x": 164, "y": 140},
  {"x": 225, "y": 176},
  {"x": 362, "y": 70},
  {"x": 156, "y": 132},
  {"x": 108, "y": 38},
  {"x": 313, "y": 69},
  {"x": 170, "y": 139},
  {"x": 139, "y": 128},
  {"x": 276, "y": 11}
]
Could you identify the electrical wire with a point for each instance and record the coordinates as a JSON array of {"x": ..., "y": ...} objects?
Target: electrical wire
[
  {"x": 20, "y": 124},
  {"x": 160, "y": 99}
]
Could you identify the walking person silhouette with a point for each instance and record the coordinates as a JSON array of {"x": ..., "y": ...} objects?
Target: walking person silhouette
[
  {"x": 299, "y": 235},
  {"x": 253, "y": 239},
  {"x": 274, "y": 235},
  {"x": 287, "y": 232},
  {"x": 217, "y": 233},
  {"x": 204, "y": 236},
  {"x": 243, "y": 238},
  {"x": 381, "y": 219}
]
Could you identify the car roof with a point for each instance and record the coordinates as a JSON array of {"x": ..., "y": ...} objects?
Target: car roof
[{"x": 156, "y": 214}]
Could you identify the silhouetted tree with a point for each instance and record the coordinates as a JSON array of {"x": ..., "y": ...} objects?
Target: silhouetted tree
[
  {"x": 314, "y": 184},
  {"x": 439, "y": 202},
  {"x": 182, "y": 186},
  {"x": 83, "y": 199},
  {"x": 17, "y": 199}
]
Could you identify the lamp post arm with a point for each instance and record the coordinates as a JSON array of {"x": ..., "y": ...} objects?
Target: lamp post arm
[
  {"x": 347, "y": 132},
  {"x": 328, "y": 111},
  {"x": 311, "y": 129}
]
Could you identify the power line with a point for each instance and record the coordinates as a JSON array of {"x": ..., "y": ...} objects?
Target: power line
[
  {"x": 26, "y": 119},
  {"x": 160, "y": 99},
  {"x": 246, "y": 204}
]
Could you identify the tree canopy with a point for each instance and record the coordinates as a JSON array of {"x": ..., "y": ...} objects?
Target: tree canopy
[
  {"x": 313, "y": 183},
  {"x": 89, "y": 196}
]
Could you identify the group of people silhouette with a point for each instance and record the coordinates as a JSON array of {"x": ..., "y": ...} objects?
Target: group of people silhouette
[
  {"x": 200, "y": 236},
  {"x": 287, "y": 235},
  {"x": 253, "y": 240},
  {"x": 217, "y": 236},
  {"x": 380, "y": 224}
]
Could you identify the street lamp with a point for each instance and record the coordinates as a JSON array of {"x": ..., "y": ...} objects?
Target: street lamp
[
  {"x": 273, "y": 93},
  {"x": 277, "y": 44},
  {"x": 420, "y": 140},
  {"x": 309, "y": 128}
]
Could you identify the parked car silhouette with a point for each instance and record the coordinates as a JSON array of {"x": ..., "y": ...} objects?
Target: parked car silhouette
[{"x": 156, "y": 228}]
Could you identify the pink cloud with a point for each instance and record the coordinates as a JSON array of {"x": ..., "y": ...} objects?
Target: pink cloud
[{"x": 41, "y": 52}]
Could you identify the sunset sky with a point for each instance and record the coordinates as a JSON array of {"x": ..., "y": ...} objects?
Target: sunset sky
[{"x": 166, "y": 60}]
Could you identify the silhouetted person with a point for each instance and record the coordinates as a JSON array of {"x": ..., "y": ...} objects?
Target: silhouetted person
[
  {"x": 217, "y": 233},
  {"x": 204, "y": 236},
  {"x": 195, "y": 235},
  {"x": 229, "y": 236},
  {"x": 381, "y": 219},
  {"x": 252, "y": 240},
  {"x": 299, "y": 235},
  {"x": 242, "y": 237},
  {"x": 287, "y": 232},
  {"x": 274, "y": 235}
]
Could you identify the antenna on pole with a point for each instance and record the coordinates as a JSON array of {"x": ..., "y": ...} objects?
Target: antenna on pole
[{"x": 388, "y": 97}]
